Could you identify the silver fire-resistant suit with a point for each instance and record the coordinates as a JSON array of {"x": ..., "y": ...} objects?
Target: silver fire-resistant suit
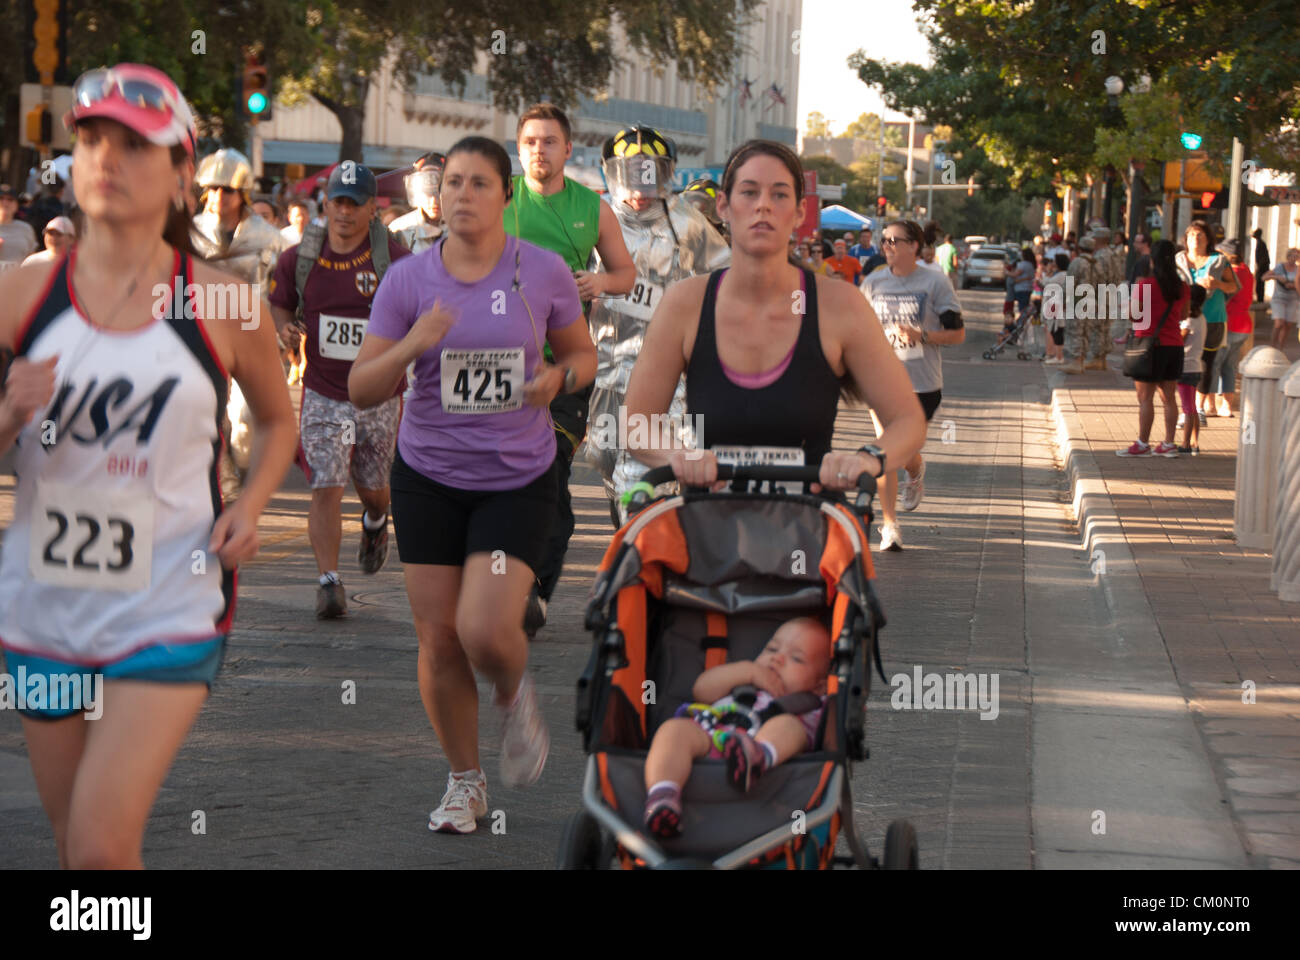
[
  {"x": 251, "y": 253},
  {"x": 618, "y": 325}
]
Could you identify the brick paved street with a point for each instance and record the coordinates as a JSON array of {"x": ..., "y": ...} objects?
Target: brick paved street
[{"x": 994, "y": 580}]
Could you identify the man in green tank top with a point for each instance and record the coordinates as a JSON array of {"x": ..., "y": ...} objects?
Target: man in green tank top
[{"x": 562, "y": 215}]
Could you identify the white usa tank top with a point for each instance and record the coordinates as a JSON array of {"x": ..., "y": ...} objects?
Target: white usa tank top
[{"x": 117, "y": 488}]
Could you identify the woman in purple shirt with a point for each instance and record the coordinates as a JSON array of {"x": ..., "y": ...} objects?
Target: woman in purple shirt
[{"x": 473, "y": 493}]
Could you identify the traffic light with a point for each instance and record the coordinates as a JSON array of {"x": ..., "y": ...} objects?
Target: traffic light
[
  {"x": 881, "y": 204},
  {"x": 255, "y": 92},
  {"x": 40, "y": 126},
  {"x": 47, "y": 40},
  {"x": 1190, "y": 141}
]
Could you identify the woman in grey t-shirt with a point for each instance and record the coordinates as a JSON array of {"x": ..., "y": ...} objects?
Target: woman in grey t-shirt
[{"x": 919, "y": 313}]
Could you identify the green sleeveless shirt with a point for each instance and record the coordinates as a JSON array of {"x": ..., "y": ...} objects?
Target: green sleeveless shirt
[{"x": 567, "y": 222}]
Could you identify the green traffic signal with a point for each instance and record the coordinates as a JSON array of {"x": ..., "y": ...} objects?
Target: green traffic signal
[
  {"x": 1191, "y": 141},
  {"x": 257, "y": 103}
]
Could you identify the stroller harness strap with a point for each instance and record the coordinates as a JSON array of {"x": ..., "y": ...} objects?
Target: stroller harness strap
[{"x": 715, "y": 644}]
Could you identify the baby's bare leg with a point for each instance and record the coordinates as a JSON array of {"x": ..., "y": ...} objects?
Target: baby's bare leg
[
  {"x": 786, "y": 733},
  {"x": 676, "y": 745}
]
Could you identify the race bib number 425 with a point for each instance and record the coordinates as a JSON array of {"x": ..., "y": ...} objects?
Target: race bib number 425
[
  {"x": 85, "y": 539},
  {"x": 339, "y": 338},
  {"x": 482, "y": 381}
]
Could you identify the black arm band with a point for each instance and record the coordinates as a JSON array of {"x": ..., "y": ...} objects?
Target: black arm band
[{"x": 951, "y": 320}]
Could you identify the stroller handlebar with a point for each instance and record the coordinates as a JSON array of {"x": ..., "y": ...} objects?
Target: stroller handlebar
[{"x": 643, "y": 492}]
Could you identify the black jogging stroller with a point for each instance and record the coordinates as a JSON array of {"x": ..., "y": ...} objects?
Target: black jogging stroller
[{"x": 693, "y": 580}]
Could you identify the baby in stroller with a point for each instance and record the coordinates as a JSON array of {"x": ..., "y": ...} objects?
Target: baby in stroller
[{"x": 754, "y": 714}]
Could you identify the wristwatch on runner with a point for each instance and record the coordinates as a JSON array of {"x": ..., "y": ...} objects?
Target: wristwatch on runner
[
  {"x": 873, "y": 450},
  {"x": 570, "y": 380}
]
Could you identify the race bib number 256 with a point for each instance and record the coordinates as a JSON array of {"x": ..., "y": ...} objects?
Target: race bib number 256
[
  {"x": 482, "y": 381},
  {"x": 88, "y": 540}
]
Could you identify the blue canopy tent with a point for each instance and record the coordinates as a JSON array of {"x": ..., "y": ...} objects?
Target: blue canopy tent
[{"x": 836, "y": 217}]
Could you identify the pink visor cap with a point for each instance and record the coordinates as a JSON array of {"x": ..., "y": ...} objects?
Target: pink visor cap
[{"x": 139, "y": 97}]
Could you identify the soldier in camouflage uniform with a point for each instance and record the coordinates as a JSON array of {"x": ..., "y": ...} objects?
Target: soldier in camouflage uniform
[
  {"x": 1110, "y": 270},
  {"x": 1079, "y": 336}
]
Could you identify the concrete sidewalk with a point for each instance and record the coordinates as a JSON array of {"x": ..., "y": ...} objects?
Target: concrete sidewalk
[{"x": 1158, "y": 533}]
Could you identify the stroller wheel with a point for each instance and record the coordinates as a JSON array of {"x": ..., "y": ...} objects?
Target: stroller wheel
[
  {"x": 988, "y": 354},
  {"x": 581, "y": 844},
  {"x": 1022, "y": 355},
  {"x": 900, "y": 847}
]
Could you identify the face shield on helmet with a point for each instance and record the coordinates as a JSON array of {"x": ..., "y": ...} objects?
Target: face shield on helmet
[
  {"x": 638, "y": 162},
  {"x": 703, "y": 195},
  {"x": 650, "y": 177},
  {"x": 423, "y": 186}
]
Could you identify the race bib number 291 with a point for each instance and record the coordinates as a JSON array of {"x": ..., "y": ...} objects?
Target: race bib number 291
[
  {"x": 482, "y": 381},
  {"x": 88, "y": 540}
]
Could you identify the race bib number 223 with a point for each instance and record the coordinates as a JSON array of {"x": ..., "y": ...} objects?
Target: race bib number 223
[{"x": 88, "y": 540}]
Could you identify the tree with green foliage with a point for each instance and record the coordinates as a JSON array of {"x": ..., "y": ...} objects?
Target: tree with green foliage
[
  {"x": 1019, "y": 81},
  {"x": 817, "y": 125},
  {"x": 554, "y": 50},
  {"x": 333, "y": 52}
]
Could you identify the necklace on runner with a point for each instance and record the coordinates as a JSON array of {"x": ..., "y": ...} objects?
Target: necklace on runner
[{"x": 93, "y": 330}]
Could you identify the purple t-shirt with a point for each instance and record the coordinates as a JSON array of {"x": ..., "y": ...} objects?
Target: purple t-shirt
[{"x": 465, "y": 427}]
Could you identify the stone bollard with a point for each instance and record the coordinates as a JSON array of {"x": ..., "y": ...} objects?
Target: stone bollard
[
  {"x": 1286, "y": 530},
  {"x": 1257, "y": 450}
]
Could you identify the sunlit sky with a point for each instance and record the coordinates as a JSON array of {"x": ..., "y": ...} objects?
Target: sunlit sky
[{"x": 834, "y": 29}]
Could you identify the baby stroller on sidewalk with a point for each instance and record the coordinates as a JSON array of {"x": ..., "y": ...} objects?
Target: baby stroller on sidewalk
[
  {"x": 1013, "y": 335},
  {"x": 695, "y": 580}
]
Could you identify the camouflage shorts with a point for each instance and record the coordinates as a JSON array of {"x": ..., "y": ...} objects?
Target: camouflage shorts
[{"x": 338, "y": 440}]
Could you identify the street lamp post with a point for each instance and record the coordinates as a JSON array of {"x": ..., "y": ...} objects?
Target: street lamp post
[{"x": 929, "y": 193}]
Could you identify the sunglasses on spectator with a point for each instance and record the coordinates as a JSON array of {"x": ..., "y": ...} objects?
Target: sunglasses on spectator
[{"x": 891, "y": 241}]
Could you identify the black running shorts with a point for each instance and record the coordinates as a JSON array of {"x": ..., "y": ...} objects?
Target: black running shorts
[
  {"x": 438, "y": 524},
  {"x": 930, "y": 402}
]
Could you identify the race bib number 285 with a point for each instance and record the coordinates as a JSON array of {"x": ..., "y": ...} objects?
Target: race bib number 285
[
  {"x": 91, "y": 540},
  {"x": 339, "y": 338},
  {"x": 482, "y": 381}
]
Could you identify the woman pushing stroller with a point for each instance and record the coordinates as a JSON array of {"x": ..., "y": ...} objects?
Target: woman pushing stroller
[{"x": 766, "y": 347}]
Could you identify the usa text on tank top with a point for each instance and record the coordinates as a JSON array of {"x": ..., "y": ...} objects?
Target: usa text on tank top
[
  {"x": 117, "y": 486},
  {"x": 796, "y": 410}
]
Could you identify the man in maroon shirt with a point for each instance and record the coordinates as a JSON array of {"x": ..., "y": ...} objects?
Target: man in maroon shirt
[{"x": 337, "y": 439}]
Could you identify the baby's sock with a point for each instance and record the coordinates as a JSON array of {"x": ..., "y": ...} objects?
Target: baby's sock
[{"x": 663, "y": 809}]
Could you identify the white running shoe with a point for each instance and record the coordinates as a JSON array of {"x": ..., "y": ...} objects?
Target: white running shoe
[
  {"x": 525, "y": 741},
  {"x": 913, "y": 488},
  {"x": 890, "y": 538},
  {"x": 463, "y": 803}
]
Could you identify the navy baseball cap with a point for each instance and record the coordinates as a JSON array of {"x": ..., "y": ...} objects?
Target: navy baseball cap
[{"x": 353, "y": 181}]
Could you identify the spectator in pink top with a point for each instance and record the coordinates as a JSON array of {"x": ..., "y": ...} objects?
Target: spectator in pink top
[
  {"x": 1166, "y": 298},
  {"x": 1240, "y": 326}
]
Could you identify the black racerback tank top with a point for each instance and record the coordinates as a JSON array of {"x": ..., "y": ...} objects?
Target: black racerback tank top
[{"x": 796, "y": 410}]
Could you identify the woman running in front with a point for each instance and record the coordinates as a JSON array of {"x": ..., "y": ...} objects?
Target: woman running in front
[
  {"x": 117, "y": 581},
  {"x": 473, "y": 492},
  {"x": 766, "y": 346}
]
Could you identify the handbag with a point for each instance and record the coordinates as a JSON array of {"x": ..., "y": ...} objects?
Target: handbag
[{"x": 1140, "y": 352}]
